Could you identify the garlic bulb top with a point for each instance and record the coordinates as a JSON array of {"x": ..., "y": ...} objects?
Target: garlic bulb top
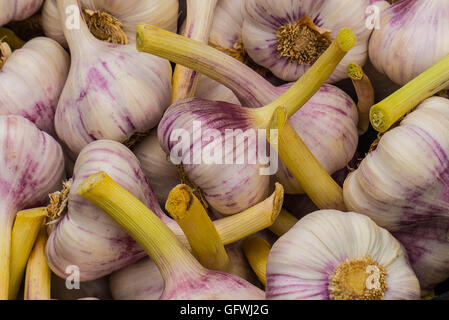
[
  {"x": 340, "y": 256},
  {"x": 125, "y": 16},
  {"x": 328, "y": 125},
  {"x": 402, "y": 48},
  {"x": 112, "y": 92},
  {"x": 404, "y": 180},
  {"x": 23, "y": 89},
  {"x": 12, "y": 10},
  {"x": 287, "y": 37}
]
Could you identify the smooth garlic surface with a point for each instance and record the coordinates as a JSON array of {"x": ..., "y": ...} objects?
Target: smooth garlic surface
[
  {"x": 287, "y": 37},
  {"x": 402, "y": 48},
  {"x": 112, "y": 91},
  {"x": 14, "y": 10},
  {"x": 340, "y": 256},
  {"x": 404, "y": 180},
  {"x": 125, "y": 16},
  {"x": 23, "y": 89}
]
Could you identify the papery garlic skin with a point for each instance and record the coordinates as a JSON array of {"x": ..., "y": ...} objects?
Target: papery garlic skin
[
  {"x": 130, "y": 13},
  {"x": 226, "y": 29},
  {"x": 302, "y": 262},
  {"x": 209, "y": 89},
  {"x": 328, "y": 125},
  {"x": 13, "y": 10},
  {"x": 263, "y": 18},
  {"x": 404, "y": 180},
  {"x": 112, "y": 91},
  {"x": 228, "y": 188},
  {"x": 427, "y": 246},
  {"x": 86, "y": 236},
  {"x": 24, "y": 91},
  {"x": 402, "y": 48}
]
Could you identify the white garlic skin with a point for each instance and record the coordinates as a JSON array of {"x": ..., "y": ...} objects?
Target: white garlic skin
[
  {"x": 16, "y": 10},
  {"x": 328, "y": 125},
  {"x": 162, "y": 14},
  {"x": 24, "y": 91},
  {"x": 227, "y": 26},
  {"x": 112, "y": 91},
  {"x": 209, "y": 89},
  {"x": 302, "y": 261},
  {"x": 402, "y": 47},
  {"x": 264, "y": 17},
  {"x": 404, "y": 181}
]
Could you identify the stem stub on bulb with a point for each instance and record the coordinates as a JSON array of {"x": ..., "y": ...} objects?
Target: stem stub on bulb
[
  {"x": 358, "y": 279},
  {"x": 105, "y": 27},
  {"x": 302, "y": 42}
]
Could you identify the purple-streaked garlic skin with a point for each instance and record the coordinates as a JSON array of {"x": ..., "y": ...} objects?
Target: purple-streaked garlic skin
[
  {"x": 16, "y": 10},
  {"x": 327, "y": 123},
  {"x": 24, "y": 89},
  {"x": 227, "y": 26},
  {"x": 209, "y": 89},
  {"x": 264, "y": 17},
  {"x": 302, "y": 261},
  {"x": 143, "y": 281},
  {"x": 228, "y": 188},
  {"x": 210, "y": 285},
  {"x": 162, "y": 14},
  {"x": 112, "y": 91},
  {"x": 32, "y": 167},
  {"x": 427, "y": 246},
  {"x": 401, "y": 48},
  {"x": 86, "y": 236},
  {"x": 405, "y": 180}
]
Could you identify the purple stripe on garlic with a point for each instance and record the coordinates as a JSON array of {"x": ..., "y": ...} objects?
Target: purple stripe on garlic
[{"x": 15, "y": 10}]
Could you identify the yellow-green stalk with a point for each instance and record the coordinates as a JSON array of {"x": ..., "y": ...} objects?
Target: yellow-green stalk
[
  {"x": 283, "y": 223},
  {"x": 189, "y": 213},
  {"x": 387, "y": 112},
  {"x": 38, "y": 274},
  {"x": 24, "y": 233},
  {"x": 365, "y": 95},
  {"x": 256, "y": 250}
]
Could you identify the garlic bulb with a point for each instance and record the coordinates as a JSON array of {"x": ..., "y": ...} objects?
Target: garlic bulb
[
  {"x": 209, "y": 89},
  {"x": 112, "y": 92},
  {"x": 184, "y": 277},
  {"x": 85, "y": 236},
  {"x": 107, "y": 17},
  {"x": 33, "y": 166},
  {"x": 404, "y": 180},
  {"x": 24, "y": 91},
  {"x": 401, "y": 48},
  {"x": 287, "y": 37},
  {"x": 96, "y": 288},
  {"x": 427, "y": 246},
  {"x": 13, "y": 10},
  {"x": 339, "y": 256},
  {"x": 143, "y": 280}
]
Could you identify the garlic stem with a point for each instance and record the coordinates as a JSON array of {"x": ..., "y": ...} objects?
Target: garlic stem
[
  {"x": 24, "y": 233},
  {"x": 252, "y": 220},
  {"x": 161, "y": 244},
  {"x": 313, "y": 178},
  {"x": 189, "y": 213},
  {"x": 387, "y": 112},
  {"x": 256, "y": 251},
  {"x": 200, "y": 14},
  {"x": 105, "y": 26},
  {"x": 283, "y": 223},
  {"x": 5, "y": 251},
  {"x": 38, "y": 274},
  {"x": 11, "y": 39},
  {"x": 365, "y": 94},
  {"x": 249, "y": 86},
  {"x": 208, "y": 61}
]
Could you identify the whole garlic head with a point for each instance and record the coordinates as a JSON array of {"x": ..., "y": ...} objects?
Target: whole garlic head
[
  {"x": 13, "y": 10},
  {"x": 23, "y": 89},
  {"x": 340, "y": 256},
  {"x": 287, "y": 37}
]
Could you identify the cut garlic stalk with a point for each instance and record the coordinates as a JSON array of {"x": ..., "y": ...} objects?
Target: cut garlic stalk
[
  {"x": 26, "y": 228},
  {"x": 38, "y": 274},
  {"x": 256, "y": 250},
  {"x": 184, "y": 277},
  {"x": 113, "y": 19},
  {"x": 339, "y": 256}
]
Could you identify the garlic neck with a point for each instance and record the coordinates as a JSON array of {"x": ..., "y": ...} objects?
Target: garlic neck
[
  {"x": 105, "y": 27},
  {"x": 302, "y": 42},
  {"x": 358, "y": 279},
  {"x": 59, "y": 201},
  {"x": 5, "y": 53}
]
